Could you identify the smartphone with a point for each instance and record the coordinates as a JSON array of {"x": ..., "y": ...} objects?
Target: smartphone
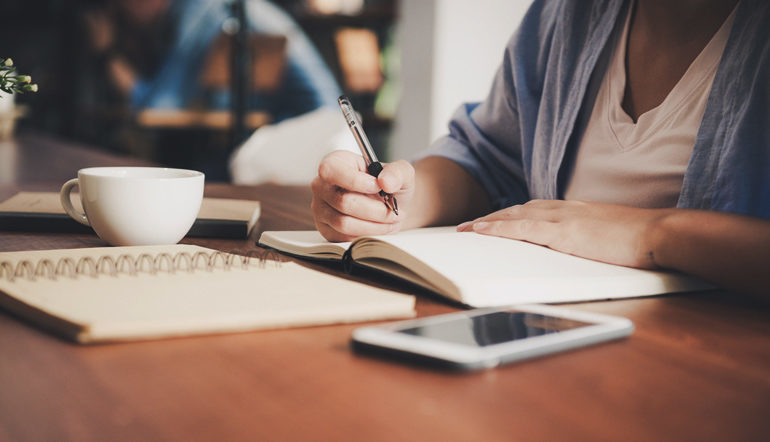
[{"x": 486, "y": 338}]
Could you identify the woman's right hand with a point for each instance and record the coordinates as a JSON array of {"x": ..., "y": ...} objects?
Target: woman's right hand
[{"x": 346, "y": 202}]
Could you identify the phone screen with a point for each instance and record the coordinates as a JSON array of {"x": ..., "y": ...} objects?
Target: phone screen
[{"x": 494, "y": 328}]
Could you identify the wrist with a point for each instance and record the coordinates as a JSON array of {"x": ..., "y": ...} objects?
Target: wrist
[
  {"x": 446, "y": 194},
  {"x": 661, "y": 237}
]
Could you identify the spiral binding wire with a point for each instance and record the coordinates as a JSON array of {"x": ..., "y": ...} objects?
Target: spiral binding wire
[{"x": 133, "y": 265}]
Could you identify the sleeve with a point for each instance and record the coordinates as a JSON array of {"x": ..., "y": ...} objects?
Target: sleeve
[
  {"x": 489, "y": 139},
  {"x": 484, "y": 138}
]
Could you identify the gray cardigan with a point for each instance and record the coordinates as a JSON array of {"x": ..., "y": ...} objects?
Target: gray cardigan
[{"x": 520, "y": 139}]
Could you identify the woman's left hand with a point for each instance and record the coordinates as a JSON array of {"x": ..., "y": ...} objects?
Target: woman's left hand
[{"x": 602, "y": 232}]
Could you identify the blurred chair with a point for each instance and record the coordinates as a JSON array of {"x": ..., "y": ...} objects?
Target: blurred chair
[{"x": 267, "y": 58}]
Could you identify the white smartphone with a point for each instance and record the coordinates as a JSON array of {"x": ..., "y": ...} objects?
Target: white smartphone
[{"x": 485, "y": 338}]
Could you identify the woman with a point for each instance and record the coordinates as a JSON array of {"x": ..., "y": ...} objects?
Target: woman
[{"x": 635, "y": 133}]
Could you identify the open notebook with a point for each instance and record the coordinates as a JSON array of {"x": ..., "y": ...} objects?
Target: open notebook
[
  {"x": 126, "y": 293},
  {"x": 481, "y": 271}
]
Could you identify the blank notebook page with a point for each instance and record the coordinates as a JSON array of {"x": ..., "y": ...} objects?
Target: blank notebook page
[{"x": 490, "y": 270}]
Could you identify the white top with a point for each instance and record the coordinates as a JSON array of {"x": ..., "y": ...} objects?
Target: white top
[{"x": 642, "y": 164}]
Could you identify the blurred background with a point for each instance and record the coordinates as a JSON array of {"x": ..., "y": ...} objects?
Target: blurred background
[{"x": 246, "y": 89}]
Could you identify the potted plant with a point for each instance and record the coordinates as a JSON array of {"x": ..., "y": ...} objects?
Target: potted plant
[{"x": 10, "y": 83}]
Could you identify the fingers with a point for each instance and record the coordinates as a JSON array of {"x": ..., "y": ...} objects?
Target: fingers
[
  {"x": 347, "y": 170},
  {"x": 537, "y": 221},
  {"x": 545, "y": 210},
  {"x": 541, "y": 232},
  {"x": 336, "y": 226},
  {"x": 509, "y": 213},
  {"x": 369, "y": 207}
]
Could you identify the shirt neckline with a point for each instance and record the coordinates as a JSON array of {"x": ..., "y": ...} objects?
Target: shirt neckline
[{"x": 700, "y": 70}]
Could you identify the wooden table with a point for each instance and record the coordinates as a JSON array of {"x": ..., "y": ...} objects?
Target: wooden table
[{"x": 696, "y": 368}]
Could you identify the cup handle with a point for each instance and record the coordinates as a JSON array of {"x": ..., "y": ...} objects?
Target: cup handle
[{"x": 64, "y": 197}]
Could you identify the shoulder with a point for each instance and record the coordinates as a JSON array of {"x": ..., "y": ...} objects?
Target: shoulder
[
  {"x": 565, "y": 19},
  {"x": 750, "y": 33},
  {"x": 559, "y": 34}
]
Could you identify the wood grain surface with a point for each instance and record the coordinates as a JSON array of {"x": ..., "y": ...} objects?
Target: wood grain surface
[{"x": 696, "y": 368}]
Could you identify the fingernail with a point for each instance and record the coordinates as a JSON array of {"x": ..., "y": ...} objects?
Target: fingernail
[
  {"x": 463, "y": 226},
  {"x": 478, "y": 227}
]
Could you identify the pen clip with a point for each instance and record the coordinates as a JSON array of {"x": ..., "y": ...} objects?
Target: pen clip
[
  {"x": 356, "y": 127},
  {"x": 350, "y": 115}
]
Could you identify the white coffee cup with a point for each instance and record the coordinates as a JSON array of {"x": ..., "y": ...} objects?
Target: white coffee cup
[{"x": 131, "y": 206}]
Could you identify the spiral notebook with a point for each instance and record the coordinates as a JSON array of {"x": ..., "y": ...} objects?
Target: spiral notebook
[
  {"x": 130, "y": 293},
  {"x": 483, "y": 271}
]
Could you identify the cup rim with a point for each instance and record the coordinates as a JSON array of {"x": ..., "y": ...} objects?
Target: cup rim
[{"x": 109, "y": 172}]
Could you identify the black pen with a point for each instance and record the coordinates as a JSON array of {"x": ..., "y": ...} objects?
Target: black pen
[{"x": 373, "y": 165}]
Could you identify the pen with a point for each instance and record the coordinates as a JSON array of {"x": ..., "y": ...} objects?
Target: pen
[{"x": 373, "y": 166}]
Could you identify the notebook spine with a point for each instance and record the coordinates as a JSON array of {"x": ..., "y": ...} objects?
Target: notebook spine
[
  {"x": 133, "y": 265},
  {"x": 347, "y": 261}
]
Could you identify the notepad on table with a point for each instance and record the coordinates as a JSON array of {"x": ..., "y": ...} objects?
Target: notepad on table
[
  {"x": 42, "y": 212},
  {"x": 481, "y": 271},
  {"x": 142, "y": 292}
]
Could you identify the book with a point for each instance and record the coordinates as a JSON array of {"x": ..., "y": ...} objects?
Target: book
[
  {"x": 484, "y": 271},
  {"x": 42, "y": 212},
  {"x": 109, "y": 294}
]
